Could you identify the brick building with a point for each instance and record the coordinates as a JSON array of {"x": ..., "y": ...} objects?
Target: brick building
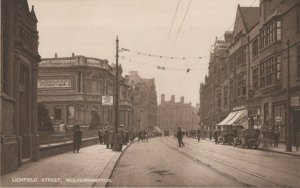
[
  {"x": 257, "y": 69},
  {"x": 72, "y": 89},
  {"x": 19, "y": 70},
  {"x": 172, "y": 114}
]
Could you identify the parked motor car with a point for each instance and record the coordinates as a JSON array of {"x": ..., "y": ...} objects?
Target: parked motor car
[
  {"x": 247, "y": 137},
  {"x": 227, "y": 136}
]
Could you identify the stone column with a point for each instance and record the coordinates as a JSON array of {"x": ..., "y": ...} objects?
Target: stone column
[{"x": 17, "y": 109}]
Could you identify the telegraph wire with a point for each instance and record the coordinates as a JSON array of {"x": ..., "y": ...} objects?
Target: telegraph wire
[
  {"x": 173, "y": 20},
  {"x": 157, "y": 56},
  {"x": 186, "y": 12},
  {"x": 158, "y": 67}
]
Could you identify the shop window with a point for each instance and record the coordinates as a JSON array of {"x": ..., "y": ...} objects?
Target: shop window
[
  {"x": 58, "y": 113},
  {"x": 279, "y": 119}
]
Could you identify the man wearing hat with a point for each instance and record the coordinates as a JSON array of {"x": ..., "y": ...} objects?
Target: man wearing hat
[
  {"x": 77, "y": 134},
  {"x": 121, "y": 136}
]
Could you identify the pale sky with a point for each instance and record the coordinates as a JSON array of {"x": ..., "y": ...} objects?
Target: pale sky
[{"x": 90, "y": 27}]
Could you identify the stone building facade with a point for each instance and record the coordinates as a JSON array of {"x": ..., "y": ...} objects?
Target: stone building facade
[
  {"x": 172, "y": 114},
  {"x": 144, "y": 100},
  {"x": 72, "y": 88},
  {"x": 19, "y": 71},
  {"x": 257, "y": 68}
]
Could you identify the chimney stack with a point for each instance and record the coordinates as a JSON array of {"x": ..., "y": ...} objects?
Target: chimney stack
[
  {"x": 55, "y": 55},
  {"x": 73, "y": 55},
  {"x": 172, "y": 98},
  {"x": 182, "y": 99}
]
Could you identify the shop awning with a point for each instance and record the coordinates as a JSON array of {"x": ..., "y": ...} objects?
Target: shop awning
[
  {"x": 228, "y": 118},
  {"x": 242, "y": 120},
  {"x": 237, "y": 119}
]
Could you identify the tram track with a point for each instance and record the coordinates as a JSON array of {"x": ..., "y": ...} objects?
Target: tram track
[
  {"x": 247, "y": 161},
  {"x": 209, "y": 157}
]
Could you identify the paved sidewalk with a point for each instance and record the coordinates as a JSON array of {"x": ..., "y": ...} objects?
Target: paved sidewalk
[
  {"x": 280, "y": 149},
  {"x": 92, "y": 166}
]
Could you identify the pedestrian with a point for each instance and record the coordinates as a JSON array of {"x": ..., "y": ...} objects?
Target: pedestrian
[
  {"x": 198, "y": 134},
  {"x": 100, "y": 136},
  {"x": 298, "y": 141},
  {"x": 276, "y": 138},
  {"x": 179, "y": 137},
  {"x": 111, "y": 138},
  {"x": 77, "y": 135},
  {"x": 139, "y": 135},
  {"x": 216, "y": 136},
  {"x": 121, "y": 137},
  {"x": 106, "y": 137}
]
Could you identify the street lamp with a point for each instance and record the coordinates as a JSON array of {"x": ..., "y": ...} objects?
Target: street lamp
[{"x": 117, "y": 90}]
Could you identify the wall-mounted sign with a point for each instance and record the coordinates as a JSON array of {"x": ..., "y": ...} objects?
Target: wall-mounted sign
[
  {"x": 55, "y": 83},
  {"x": 107, "y": 100},
  {"x": 239, "y": 108}
]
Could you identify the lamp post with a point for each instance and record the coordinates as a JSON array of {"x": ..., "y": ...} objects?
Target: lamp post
[{"x": 117, "y": 89}]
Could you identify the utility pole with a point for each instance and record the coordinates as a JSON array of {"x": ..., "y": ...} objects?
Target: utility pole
[
  {"x": 117, "y": 89},
  {"x": 288, "y": 133}
]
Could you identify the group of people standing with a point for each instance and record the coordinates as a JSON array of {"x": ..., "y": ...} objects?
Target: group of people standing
[
  {"x": 106, "y": 136},
  {"x": 142, "y": 136}
]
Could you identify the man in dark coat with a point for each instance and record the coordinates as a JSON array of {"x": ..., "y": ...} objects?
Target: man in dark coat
[
  {"x": 77, "y": 135},
  {"x": 179, "y": 137},
  {"x": 216, "y": 136},
  {"x": 198, "y": 135},
  {"x": 276, "y": 138}
]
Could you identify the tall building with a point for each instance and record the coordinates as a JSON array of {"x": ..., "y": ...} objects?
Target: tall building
[
  {"x": 144, "y": 100},
  {"x": 172, "y": 114},
  {"x": 19, "y": 71},
  {"x": 74, "y": 89},
  {"x": 257, "y": 70}
]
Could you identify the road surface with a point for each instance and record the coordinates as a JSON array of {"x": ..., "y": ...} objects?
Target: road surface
[{"x": 161, "y": 163}]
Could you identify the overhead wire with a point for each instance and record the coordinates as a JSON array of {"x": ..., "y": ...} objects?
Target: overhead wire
[
  {"x": 173, "y": 20},
  {"x": 186, "y": 12}
]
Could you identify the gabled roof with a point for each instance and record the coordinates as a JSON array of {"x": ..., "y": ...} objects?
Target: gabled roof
[
  {"x": 250, "y": 16},
  {"x": 246, "y": 18}
]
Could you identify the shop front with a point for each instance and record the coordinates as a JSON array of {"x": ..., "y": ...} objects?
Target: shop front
[{"x": 236, "y": 119}]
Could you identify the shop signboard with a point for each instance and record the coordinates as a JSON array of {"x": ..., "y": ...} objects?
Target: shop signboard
[{"x": 107, "y": 100}]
